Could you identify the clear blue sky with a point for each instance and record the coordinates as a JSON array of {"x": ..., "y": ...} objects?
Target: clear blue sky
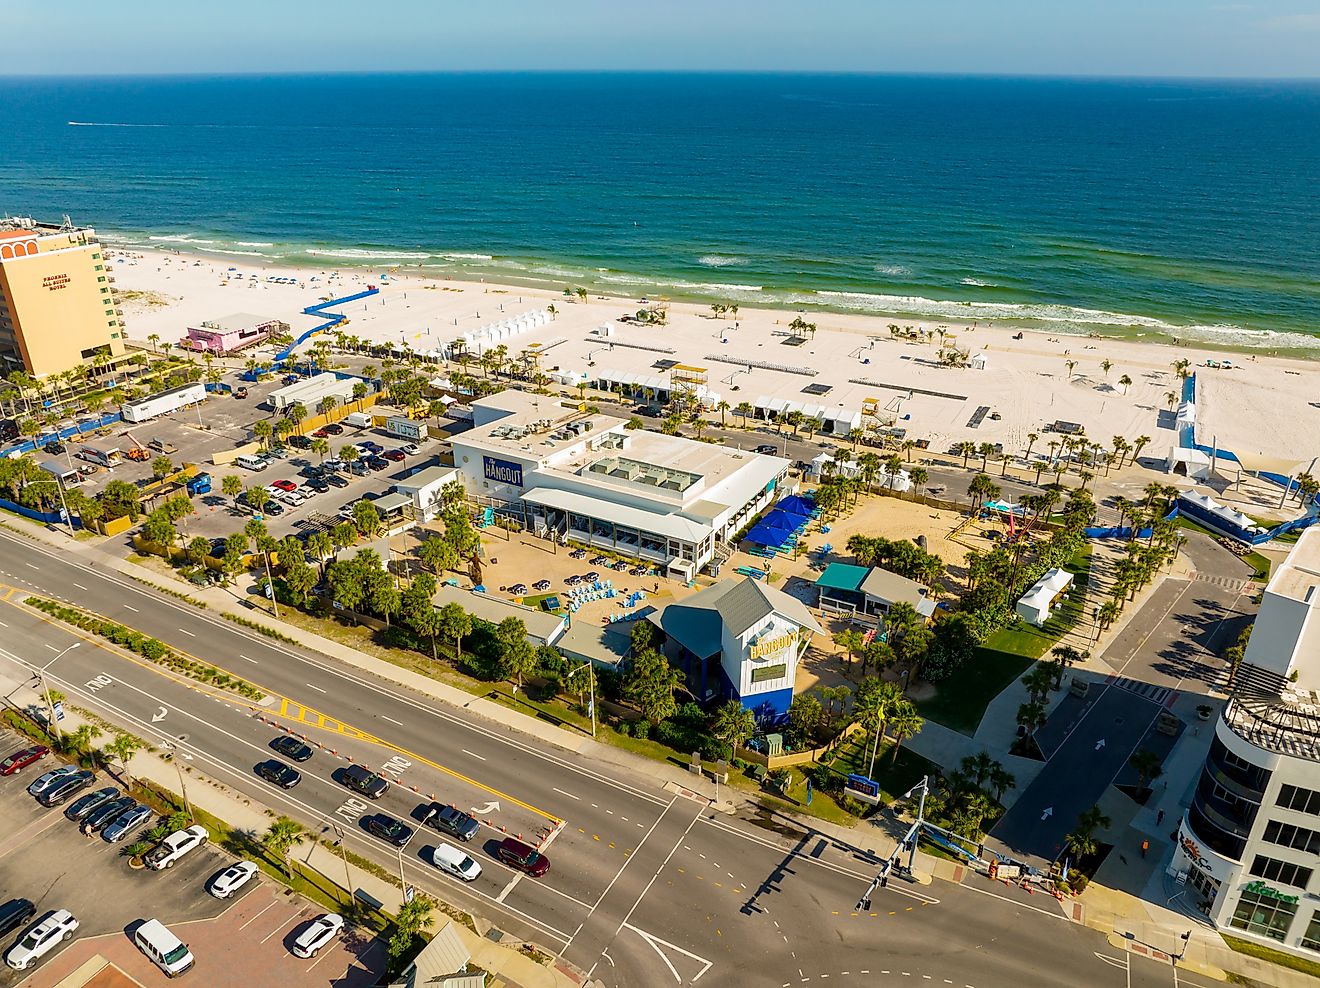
[{"x": 1033, "y": 37}]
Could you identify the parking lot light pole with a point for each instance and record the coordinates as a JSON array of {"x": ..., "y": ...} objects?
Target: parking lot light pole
[
  {"x": 591, "y": 678},
  {"x": 403, "y": 882},
  {"x": 343, "y": 853},
  {"x": 45, "y": 687}
]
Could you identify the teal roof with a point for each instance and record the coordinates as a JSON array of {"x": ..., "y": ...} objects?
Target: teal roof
[{"x": 842, "y": 576}]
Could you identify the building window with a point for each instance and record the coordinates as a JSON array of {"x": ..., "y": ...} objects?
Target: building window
[
  {"x": 1284, "y": 872},
  {"x": 1286, "y": 835},
  {"x": 1311, "y": 939},
  {"x": 1299, "y": 799},
  {"x": 1263, "y": 916},
  {"x": 100, "y": 277}
]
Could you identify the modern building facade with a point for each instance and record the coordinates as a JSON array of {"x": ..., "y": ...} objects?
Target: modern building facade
[
  {"x": 1249, "y": 843},
  {"x": 57, "y": 306},
  {"x": 232, "y": 333},
  {"x": 574, "y": 475},
  {"x": 739, "y": 640}
]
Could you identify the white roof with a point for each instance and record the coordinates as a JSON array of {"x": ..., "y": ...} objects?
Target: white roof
[
  {"x": 621, "y": 514},
  {"x": 1221, "y": 511},
  {"x": 1046, "y": 589}
]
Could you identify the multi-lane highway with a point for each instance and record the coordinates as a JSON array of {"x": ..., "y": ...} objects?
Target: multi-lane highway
[{"x": 646, "y": 886}]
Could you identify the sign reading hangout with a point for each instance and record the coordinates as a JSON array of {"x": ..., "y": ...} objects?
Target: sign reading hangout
[
  {"x": 502, "y": 471},
  {"x": 773, "y": 646}
]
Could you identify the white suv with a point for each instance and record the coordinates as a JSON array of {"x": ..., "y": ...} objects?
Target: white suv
[
  {"x": 40, "y": 940},
  {"x": 175, "y": 846}
]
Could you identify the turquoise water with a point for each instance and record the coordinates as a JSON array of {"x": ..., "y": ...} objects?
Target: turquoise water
[{"x": 1141, "y": 207}]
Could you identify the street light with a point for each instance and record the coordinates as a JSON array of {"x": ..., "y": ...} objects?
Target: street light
[
  {"x": 591, "y": 677},
  {"x": 403, "y": 882},
  {"x": 45, "y": 686}
]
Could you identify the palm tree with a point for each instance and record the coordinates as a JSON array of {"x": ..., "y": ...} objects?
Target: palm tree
[
  {"x": 874, "y": 702},
  {"x": 1138, "y": 444},
  {"x": 123, "y": 748},
  {"x": 850, "y": 639},
  {"x": 982, "y": 489},
  {"x": 281, "y": 837},
  {"x": 1148, "y": 765},
  {"x": 722, "y": 407},
  {"x": 746, "y": 410},
  {"x": 1105, "y": 366},
  {"x": 1125, "y": 382},
  {"x": 1071, "y": 365},
  {"x": 905, "y": 722},
  {"x": 1031, "y": 716}
]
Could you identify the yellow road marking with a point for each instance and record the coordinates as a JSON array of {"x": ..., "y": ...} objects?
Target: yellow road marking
[{"x": 284, "y": 705}]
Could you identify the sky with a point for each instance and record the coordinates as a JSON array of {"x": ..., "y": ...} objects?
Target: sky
[{"x": 1214, "y": 38}]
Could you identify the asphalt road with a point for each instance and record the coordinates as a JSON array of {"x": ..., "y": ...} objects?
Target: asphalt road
[{"x": 645, "y": 888}]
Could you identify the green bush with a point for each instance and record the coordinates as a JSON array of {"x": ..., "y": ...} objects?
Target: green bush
[
  {"x": 153, "y": 649},
  {"x": 642, "y": 730}
]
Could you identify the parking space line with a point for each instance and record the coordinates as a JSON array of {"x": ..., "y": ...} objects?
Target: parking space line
[
  {"x": 473, "y": 754},
  {"x": 311, "y": 687},
  {"x": 279, "y": 926},
  {"x": 270, "y": 905}
]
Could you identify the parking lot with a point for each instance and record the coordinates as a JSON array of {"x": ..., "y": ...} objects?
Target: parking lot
[{"x": 241, "y": 941}]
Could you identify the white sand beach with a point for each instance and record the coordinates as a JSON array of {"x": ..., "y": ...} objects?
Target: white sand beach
[{"x": 1262, "y": 407}]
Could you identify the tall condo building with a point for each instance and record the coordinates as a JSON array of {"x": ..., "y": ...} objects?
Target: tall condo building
[
  {"x": 1249, "y": 843},
  {"x": 57, "y": 307}
]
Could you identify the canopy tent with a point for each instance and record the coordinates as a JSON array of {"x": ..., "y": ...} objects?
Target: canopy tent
[
  {"x": 775, "y": 529},
  {"x": 1192, "y": 462},
  {"x": 1036, "y": 603},
  {"x": 796, "y": 504}
]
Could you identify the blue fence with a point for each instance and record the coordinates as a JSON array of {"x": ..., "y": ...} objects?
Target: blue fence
[
  {"x": 47, "y": 517},
  {"x": 331, "y": 319},
  {"x": 32, "y": 445}
]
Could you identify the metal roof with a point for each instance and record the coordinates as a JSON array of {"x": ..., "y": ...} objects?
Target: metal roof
[
  {"x": 733, "y": 604},
  {"x": 841, "y": 576},
  {"x": 891, "y": 588},
  {"x": 648, "y": 521}
]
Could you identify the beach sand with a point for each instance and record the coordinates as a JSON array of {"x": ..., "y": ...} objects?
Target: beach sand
[{"x": 1264, "y": 406}]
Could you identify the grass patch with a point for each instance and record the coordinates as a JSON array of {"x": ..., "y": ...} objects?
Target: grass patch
[
  {"x": 258, "y": 627},
  {"x": 895, "y": 776},
  {"x": 1259, "y": 563},
  {"x": 1272, "y": 956}
]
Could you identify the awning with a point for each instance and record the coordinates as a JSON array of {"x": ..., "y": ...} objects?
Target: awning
[{"x": 672, "y": 526}]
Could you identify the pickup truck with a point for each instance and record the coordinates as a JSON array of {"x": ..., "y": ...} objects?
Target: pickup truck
[
  {"x": 175, "y": 846},
  {"x": 161, "y": 446}
]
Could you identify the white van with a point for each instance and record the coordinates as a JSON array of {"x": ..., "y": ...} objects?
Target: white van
[
  {"x": 448, "y": 858},
  {"x": 166, "y": 951},
  {"x": 251, "y": 462}
]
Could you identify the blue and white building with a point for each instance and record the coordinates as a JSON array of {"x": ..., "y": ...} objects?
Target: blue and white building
[{"x": 739, "y": 640}]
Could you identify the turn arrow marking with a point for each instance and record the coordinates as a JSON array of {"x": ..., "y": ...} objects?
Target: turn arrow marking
[
  {"x": 1099, "y": 744},
  {"x": 1049, "y": 812},
  {"x": 492, "y": 807},
  {"x": 159, "y": 715}
]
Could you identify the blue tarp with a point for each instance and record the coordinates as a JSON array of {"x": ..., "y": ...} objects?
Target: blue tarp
[
  {"x": 796, "y": 504},
  {"x": 771, "y": 531}
]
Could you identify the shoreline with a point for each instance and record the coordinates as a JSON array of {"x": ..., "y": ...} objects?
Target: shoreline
[
  {"x": 1038, "y": 318},
  {"x": 1263, "y": 406}
]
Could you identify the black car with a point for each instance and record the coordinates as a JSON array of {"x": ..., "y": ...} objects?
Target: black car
[
  {"x": 318, "y": 485},
  {"x": 388, "y": 829},
  {"x": 84, "y": 805},
  {"x": 364, "y": 781},
  {"x": 291, "y": 748},
  {"x": 311, "y": 473},
  {"x": 767, "y": 449},
  {"x": 449, "y": 820},
  {"x": 100, "y": 817},
  {"x": 378, "y": 463},
  {"x": 54, "y": 446},
  {"x": 334, "y": 480},
  {"x": 14, "y": 914},
  {"x": 334, "y": 428},
  {"x": 66, "y": 790},
  {"x": 278, "y": 774},
  {"x": 300, "y": 442},
  {"x": 274, "y": 509}
]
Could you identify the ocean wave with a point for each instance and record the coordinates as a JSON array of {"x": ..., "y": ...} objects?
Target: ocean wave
[
  {"x": 977, "y": 283},
  {"x": 469, "y": 257},
  {"x": 241, "y": 253},
  {"x": 721, "y": 260},
  {"x": 254, "y": 243},
  {"x": 372, "y": 255},
  {"x": 897, "y": 270},
  {"x": 1060, "y": 315},
  {"x": 1256, "y": 339},
  {"x": 176, "y": 239},
  {"x": 81, "y": 123}
]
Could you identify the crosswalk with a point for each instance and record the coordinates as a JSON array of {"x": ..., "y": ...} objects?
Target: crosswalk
[
  {"x": 1156, "y": 694},
  {"x": 1227, "y": 582}
]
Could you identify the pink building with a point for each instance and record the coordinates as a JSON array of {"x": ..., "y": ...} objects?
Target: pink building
[{"x": 232, "y": 333}]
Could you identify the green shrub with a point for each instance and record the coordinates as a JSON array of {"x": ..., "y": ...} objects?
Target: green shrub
[
  {"x": 642, "y": 730},
  {"x": 154, "y": 649}
]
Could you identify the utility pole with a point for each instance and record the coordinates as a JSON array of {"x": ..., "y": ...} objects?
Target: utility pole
[
  {"x": 183, "y": 785},
  {"x": 591, "y": 678},
  {"x": 343, "y": 853},
  {"x": 45, "y": 687}
]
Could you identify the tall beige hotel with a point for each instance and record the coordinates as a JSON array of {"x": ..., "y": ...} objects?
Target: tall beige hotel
[{"x": 57, "y": 308}]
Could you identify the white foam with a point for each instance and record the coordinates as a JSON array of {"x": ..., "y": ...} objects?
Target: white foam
[
  {"x": 254, "y": 243},
  {"x": 721, "y": 261},
  {"x": 976, "y": 283},
  {"x": 893, "y": 269},
  {"x": 469, "y": 257},
  {"x": 180, "y": 240},
  {"x": 1063, "y": 315},
  {"x": 80, "y": 123},
  {"x": 372, "y": 255}
]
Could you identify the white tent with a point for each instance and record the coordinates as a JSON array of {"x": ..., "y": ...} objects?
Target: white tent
[
  {"x": 979, "y": 361},
  {"x": 1192, "y": 462},
  {"x": 1035, "y": 605}
]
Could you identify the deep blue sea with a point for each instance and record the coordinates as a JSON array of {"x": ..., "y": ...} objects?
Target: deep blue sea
[{"x": 1134, "y": 207}]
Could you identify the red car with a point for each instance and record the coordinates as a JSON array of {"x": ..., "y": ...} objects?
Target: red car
[
  {"x": 20, "y": 760},
  {"x": 285, "y": 485},
  {"x": 320, "y": 433},
  {"x": 393, "y": 455},
  {"x": 523, "y": 857}
]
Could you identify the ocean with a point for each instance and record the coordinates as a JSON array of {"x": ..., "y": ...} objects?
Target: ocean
[{"x": 1141, "y": 208}]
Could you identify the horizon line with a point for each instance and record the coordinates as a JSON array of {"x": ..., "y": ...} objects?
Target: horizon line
[{"x": 767, "y": 72}]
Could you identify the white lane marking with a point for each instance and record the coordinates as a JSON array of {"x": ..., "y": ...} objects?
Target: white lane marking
[
  {"x": 562, "y": 793},
  {"x": 30, "y": 566},
  {"x": 473, "y": 754},
  {"x": 3, "y": 625},
  {"x": 80, "y": 586},
  {"x": 391, "y": 720},
  {"x": 311, "y": 687},
  {"x": 254, "y": 918},
  {"x": 246, "y": 659},
  {"x": 51, "y": 647},
  {"x": 187, "y": 632},
  {"x": 508, "y": 888},
  {"x": 130, "y": 607}
]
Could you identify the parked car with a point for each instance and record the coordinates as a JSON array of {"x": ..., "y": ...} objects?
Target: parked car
[
  {"x": 21, "y": 759},
  {"x": 334, "y": 428},
  {"x": 292, "y": 748},
  {"x": 523, "y": 857},
  {"x": 14, "y": 914},
  {"x": 300, "y": 442},
  {"x": 450, "y": 859},
  {"x": 240, "y": 392},
  {"x": 767, "y": 449},
  {"x": 175, "y": 846},
  {"x": 449, "y": 820},
  {"x": 278, "y": 774},
  {"x": 69, "y": 787},
  {"x": 56, "y": 926},
  {"x": 54, "y": 446},
  {"x": 282, "y": 485},
  {"x": 334, "y": 480},
  {"x": 98, "y": 818},
  {"x": 274, "y": 509},
  {"x": 84, "y": 805},
  {"x": 371, "y": 447},
  {"x": 378, "y": 463},
  {"x": 50, "y": 779},
  {"x": 233, "y": 878},
  {"x": 393, "y": 455},
  {"x": 410, "y": 449},
  {"x": 292, "y": 498},
  {"x": 364, "y": 781},
  {"x": 126, "y": 823},
  {"x": 388, "y": 829},
  {"x": 318, "y": 933}
]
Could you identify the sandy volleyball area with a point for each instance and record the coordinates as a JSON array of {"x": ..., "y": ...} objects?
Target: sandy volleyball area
[{"x": 1264, "y": 406}]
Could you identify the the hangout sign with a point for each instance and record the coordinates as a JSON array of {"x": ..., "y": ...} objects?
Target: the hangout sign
[{"x": 502, "y": 471}]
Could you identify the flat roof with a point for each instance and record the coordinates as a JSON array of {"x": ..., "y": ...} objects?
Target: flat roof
[
  {"x": 235, "y": 321},
  {"x": 1299, "y": 574},
  {"x": 670, "y": 525},
  {"x": 841, "y": 576},
  {"x": 891, "y": 587},
  {"x": 425, "y": 477},
  {"x": 541, "y": 626}
]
